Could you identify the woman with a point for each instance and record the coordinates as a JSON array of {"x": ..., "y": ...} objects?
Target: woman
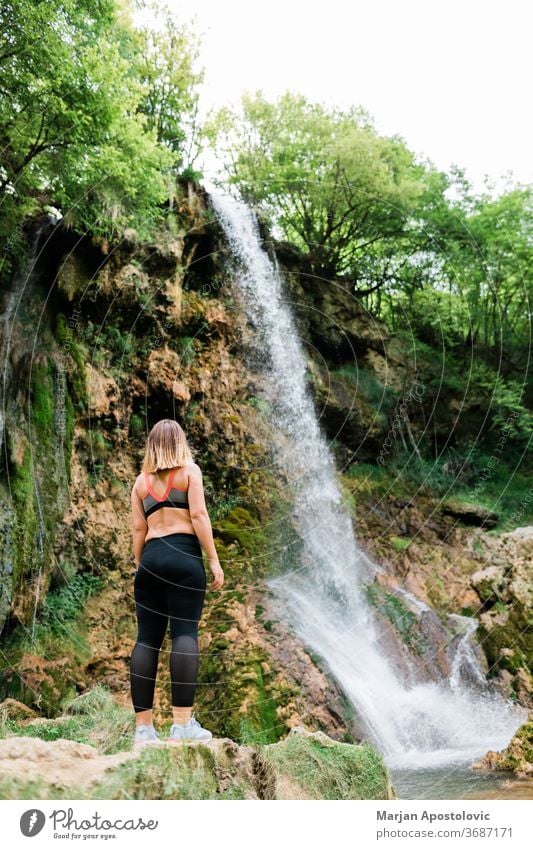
[{"x": 170, "y": 527}]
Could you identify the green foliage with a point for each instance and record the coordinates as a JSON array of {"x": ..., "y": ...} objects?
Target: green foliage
[
  {"x": 67, "y": 602},
  {"x": 414, "y": 244},
  {"x": 168, "y": 72},
  {"x": 322, "y": 176},
  {"x": 93, "y": 115}
]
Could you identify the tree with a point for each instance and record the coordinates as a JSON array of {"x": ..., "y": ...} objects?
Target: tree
[
  {"x": 169, "y": 54},
  {"x": 74, "y": 132},
  {"x": 327, "y": 181}
]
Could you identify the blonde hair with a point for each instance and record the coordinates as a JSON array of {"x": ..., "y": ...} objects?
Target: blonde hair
[{"x": 166, "y": 447}]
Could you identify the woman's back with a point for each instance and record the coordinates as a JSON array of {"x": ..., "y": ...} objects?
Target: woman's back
[{"x": 164, "y": 496}]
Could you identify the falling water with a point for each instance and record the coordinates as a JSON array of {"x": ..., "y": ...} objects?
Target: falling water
[
  {"x": 418, "y": 725},
  {"x": 465, "y": 664}
]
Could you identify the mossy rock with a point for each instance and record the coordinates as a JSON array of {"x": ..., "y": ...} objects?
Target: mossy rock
[
  {"x": 470, "y": 514},
  {"x": 401, "y": 618},
  {"x": 318, "y": 767},
  {"x": 240, "y": 527},
  {"x": 516, "y": 757}
]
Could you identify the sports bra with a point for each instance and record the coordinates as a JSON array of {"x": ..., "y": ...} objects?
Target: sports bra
[{"x": 172, "y": 497}]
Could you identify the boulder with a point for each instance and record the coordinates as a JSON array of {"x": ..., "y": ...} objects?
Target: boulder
[{"x": 488, "y": 582}]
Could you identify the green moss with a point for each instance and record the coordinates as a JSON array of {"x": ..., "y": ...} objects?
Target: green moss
[
  {"x": 239, "y": 526},
  {"x": 42, "y": 397},
  {"x": 403, "y": 620},
  {"x": 331, "y": 770},
  {"x": 73, "y": 348},
  {"x": 23, "y": 490},
  {"x": 400, "y": 544},
  {"x": 244, "y": 682},
  {"x": 261, "y": 724},
  {"x": 519, "y": 753}
]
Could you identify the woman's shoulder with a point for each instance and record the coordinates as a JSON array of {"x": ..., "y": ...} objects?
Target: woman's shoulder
[{"x": 140, "y": 484}]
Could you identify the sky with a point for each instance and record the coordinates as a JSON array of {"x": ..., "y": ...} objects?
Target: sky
[{"x": 451, "y": 78}]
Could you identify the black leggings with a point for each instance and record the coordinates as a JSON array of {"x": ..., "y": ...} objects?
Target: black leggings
[{"x": 169, "y": 583}]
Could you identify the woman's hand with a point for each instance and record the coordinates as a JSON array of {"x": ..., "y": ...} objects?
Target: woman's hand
[{"x": 218, "y": 575}]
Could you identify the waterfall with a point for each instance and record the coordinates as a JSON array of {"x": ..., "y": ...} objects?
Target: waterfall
[
  {"x": 415, "y": 725},
  {"x": 465, "y": 664}
]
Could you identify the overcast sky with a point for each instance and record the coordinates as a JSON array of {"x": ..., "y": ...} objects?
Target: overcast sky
[{"x": 452, "y": 78}]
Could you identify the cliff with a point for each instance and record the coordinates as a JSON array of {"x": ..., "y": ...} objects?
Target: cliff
[{"x": 101, "y": 341}]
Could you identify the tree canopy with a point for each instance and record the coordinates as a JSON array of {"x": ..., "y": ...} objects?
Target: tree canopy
[{"x": 91, "y": 120}]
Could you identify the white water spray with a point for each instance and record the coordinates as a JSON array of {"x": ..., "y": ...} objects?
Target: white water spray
[{"x": 426, "y": 724}]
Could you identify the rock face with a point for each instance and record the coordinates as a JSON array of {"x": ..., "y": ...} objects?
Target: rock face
[
  {"x": 132, "y": 335},
  {"x": 505, "y": 589}
]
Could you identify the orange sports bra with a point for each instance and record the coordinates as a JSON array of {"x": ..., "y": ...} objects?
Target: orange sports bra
[{"x": 172, "y": 497}]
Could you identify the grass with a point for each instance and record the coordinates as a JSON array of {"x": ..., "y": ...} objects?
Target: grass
[
  {"x": 92, "y": 718},
  {"x": 183, "y": 772},
  {"x": 504, "y": 489},
  {"x": 330, "y": 770},
  {"x": 379, "y": 396}
]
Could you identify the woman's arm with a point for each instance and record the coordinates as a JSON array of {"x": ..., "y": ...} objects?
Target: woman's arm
[
  {"x": 138, "y": 523},
  {"x": 202, "y": 523}
]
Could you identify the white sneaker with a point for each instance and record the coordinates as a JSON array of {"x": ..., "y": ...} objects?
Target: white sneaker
[
  {"x": 146, "y": 735},
  {"x": 191, "y": 730}
]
